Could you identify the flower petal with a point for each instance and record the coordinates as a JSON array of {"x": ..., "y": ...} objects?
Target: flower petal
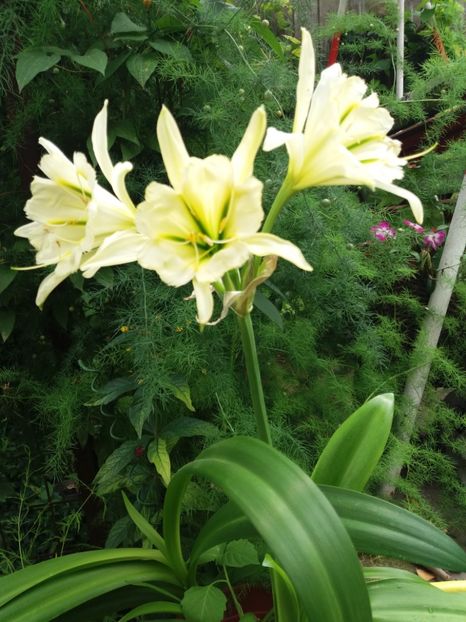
[
  {"x": 46, "y": 286},
  {"x": 306, "y": 77},
  {"x": 117, "y": 181},
  {"x": 174, "y": 262},
  {"x": 234, "y": 255},
  {"x": 275, "y": 138},
  {"x": 243, "y": 158},
  {"x": 414, "y": 201},
  {"x": 204, "y": 301},
  {"x": 263, "y": 244},
  {"x": 174, "y": 153},
  {"x": 100, "y": 143},
  {"x": 119, "y": 248}
]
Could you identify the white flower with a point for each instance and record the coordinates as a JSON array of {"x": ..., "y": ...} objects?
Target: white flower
[
  {"x": 59, "y": 211},
  {"x": 339, "y": 135},
  {"x": 71, "y": 214},
  {"x": 206, "y": 224}
]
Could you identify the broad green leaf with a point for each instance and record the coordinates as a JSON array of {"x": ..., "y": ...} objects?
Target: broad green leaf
[
  {"x": 7, "y": 323},
  {"x": 297, "y": 523},
  {"x": 14, "y": 584},
  {"x": 181, "y": 391},
  {"x": 130, "y": 150},
  {"x": 379, "y": 527},
  {"x": 204, "y": 604},
  {"x": 142, "y": 66},
  {"x": 157, "y": 454},
  {"x": 238, "y": 553},
  {"x": 7, "y": 275},
  {"x": 176, "y": 50},
  {"x": 409, "y": 599},
  {"x": 100, "y": 608},
  {"x": 354, "y": 450},
  {"x": 124, "y": 129},
  {"x": 144, "y": 526},
  {"x": 228, "y": 523},
  {"x": 375, "y": 526},
  {"x": 94, "y": 59},
  {"x": 64, "y": 592},
  {"x": 113, "y": 465},
  {"x": 122, "y": 23},
  {"x": 118, "y": 532},
  {"x": 248, "y": 617},
  {"x": 268, "y": 308},
  {"x": 112, "y": 390},
  {"x": 113, "y": 66},
  {"x": 33, "y": 61},
  {"x": 140, "y": 410},
  {"x": 186, "y": 427},
  {"x": 155, "y": 607},
  {"x": 105, "y": 277},
  {"x": 267, "y": 35}
]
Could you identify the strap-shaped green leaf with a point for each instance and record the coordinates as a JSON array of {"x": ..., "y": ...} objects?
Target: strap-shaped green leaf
[
  {"x": 14, "y": 584},
  {"x": 155, "y": 607},
  {"x": 403, "y": 597},
  {"x": 297, "y": 523},
  {"x": 354, "y": 450},
  {"x": 144, "y": 526},
  {"x": 285, "y": 602},
  {"x": 64, "y": 592},
  {"x": 375, "y": 526},
  {"x": 382, "y": 528}
]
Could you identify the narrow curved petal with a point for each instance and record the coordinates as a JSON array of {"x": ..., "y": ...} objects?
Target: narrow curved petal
[
  {"x": 275, "y": 138},
  {"x": 119, "y": 248},
  {"x": 245, "y": 154},
  {"x": 174, "y": 153},
  {"x": 306, "y": 77},
  {"x": 47, "y": 286},
  {"x": 263, "y": 244},
  {"x": 204, "y": 301},
  {"x": 414, "y": 201},
  {"x": 117, "y": 181},
  {"x": 100, "y": 143}
]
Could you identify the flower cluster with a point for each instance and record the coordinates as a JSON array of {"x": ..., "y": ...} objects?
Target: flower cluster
[
  {"x": 384, "y": 231},
  {"x": 198, "y": 229},
  {"x": 434, "y": 239},
  {"x": 205, "y": 227},
  {"x": 339, "y": 135}
]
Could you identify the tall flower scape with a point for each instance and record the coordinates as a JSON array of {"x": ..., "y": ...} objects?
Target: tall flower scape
[{"x": 208, "y": 225}]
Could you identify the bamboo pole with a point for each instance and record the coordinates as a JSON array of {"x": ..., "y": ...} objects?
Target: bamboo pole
[
  {"x": 428, "y": 336},
  {"x": 400, "y": 50}
]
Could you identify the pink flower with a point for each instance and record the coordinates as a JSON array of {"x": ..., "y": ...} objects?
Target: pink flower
[
  {"x": 383, "y": 231},
  {"x": 434, "y": 240},
  {"x": 414, "y": 226}
]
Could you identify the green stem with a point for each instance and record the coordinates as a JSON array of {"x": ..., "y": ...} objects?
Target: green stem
[
  {"x": 254, "y": 378},
  {"x": 285, "y": 192}
]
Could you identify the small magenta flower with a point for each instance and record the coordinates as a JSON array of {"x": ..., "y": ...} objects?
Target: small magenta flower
[
  {"x": 414, "y": 226},
  {"x": 383, "y": 231},
  {"x": 434, "y": 239}
]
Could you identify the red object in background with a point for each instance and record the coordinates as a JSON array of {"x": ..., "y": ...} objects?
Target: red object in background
[
  {"x": 334, "y": 47},
  {"x": 254, "y": 599}
]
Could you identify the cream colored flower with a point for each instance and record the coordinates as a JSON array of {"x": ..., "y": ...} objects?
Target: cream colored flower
[
  {"x": 206, "y": 224},
  {"x": 71, "y": 214},
  {"x": 59, "y": 211},
  {"x": 339, "y": 135}
]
